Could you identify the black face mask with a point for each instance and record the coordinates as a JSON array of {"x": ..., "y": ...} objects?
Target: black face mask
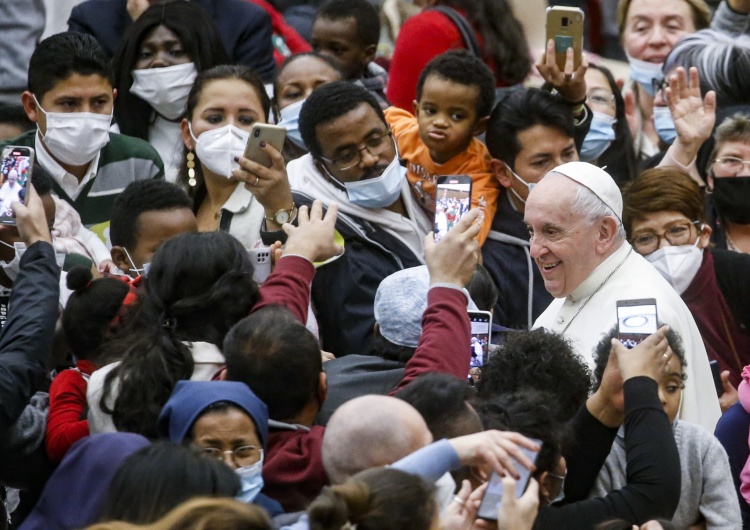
[{"x": 732, "y": 198}]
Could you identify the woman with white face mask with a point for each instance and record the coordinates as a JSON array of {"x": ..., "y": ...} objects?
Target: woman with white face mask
[
  {"x": 222, "y": 107},
  {"x": 226, "y": 421},
  {"x": 154, "y": 69},
  {"x": 663, "y": 215}
]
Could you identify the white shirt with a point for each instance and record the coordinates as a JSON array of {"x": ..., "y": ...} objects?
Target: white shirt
[
  {"x": 68, "y": 182},
  {"x": 166, "y": 137},
  {"x": 636, "y": 278},
  {"x": 248, "y": 215}
]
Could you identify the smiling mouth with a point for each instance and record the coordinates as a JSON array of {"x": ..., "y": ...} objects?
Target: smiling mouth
[{"x": 546, "y": 267}]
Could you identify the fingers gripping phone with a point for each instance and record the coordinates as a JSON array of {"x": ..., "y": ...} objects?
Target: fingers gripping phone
[
  {"x": 636, "y": 320},
  {"x": 493, "y": 495},
  {"x": 273, "y": 135},
  {"x": 565, "y": 27},
  {"x": 15, "y": 176},
  {"x": 452, "y": 201}
]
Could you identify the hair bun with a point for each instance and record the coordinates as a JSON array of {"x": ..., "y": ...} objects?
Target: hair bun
[{"x": 79, "y": 278}]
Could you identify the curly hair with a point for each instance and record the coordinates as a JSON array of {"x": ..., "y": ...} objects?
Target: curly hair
[{"x": 540, "y": 360}]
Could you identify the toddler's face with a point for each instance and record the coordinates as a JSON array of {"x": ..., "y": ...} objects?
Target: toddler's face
[{"x": 670, "y": 388}]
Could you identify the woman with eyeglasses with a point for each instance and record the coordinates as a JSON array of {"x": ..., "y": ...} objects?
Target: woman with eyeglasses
[
  {"x": 224, "y": 421},
  {"x": 664, "y": 218}
]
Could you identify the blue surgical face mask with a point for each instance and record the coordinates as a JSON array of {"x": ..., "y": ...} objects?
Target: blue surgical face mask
[
  {"x": 378, "y": 192},
  {"x": 252, "y": 481},
  {"x": 289, "y": 119},
  {"x": 600, "y": 136},
  {"x": 664, "y": 124},
  {"x": 645, "y": 73}
]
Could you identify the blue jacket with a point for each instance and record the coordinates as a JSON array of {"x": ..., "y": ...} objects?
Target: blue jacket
[
  {"x": 244, "y": 27},
  {"x": 521, "y": 293}
]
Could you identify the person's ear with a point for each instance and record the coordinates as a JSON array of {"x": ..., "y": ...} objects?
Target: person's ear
[
  {"x": 187, "y": 139},
  {"x": 322, "y": 388},
  {"x": 121, "y": 259},
  {"x": 416, "y": 108},
  {"x": 481, "y": 126},
  {"x": 29, "y": 106},
  {"x": 114, "y": 94},
  {"x": 705, "y": 236},
  {"x": 376, "y": 330},
  {"x": 501, "y": 172},
  {"x": 608, "y": 229},
  {"x": 544, "y": 485}
]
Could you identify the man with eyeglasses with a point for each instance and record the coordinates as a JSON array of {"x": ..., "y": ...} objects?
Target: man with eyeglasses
[
  {"x": 353, "y": 162},
  {"x": 664, "y": 218},
  {"x": 574, "y": 218}
]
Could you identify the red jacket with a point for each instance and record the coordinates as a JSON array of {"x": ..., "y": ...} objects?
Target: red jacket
[
  {"x": 284, "y": 35},
  {"x": 293, "y": 471},
  {"x": 66, "y": 423}
]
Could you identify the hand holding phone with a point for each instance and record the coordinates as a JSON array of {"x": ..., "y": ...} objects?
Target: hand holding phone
[
  {"x": 452, "y": 202},
  {"x": 564, "y": 64},
  {"x": 636, "y": 320},
  {"x": 273, "y": 135},
  {"x": 15, "y": 176}
]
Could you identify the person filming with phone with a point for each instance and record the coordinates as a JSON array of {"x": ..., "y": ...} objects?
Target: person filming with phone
[{"x": 574, "y": 217}]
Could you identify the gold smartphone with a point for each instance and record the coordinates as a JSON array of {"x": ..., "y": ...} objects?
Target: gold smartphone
[
  {"x": 264, "y": 132},
  {"x": 565, "y": 27}
]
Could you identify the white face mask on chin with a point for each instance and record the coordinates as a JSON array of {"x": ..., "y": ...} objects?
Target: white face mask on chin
[{"x": 678, "y": 264}]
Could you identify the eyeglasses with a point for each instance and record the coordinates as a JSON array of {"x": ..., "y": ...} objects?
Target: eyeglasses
[
  {"x": 659, "y": 84},
  {"x": 677, "y": 234},
  {"x": 601, "y": 96},
  {"x": 375, "y": 145},
  {"x": 245, "y": 455},
  {"x": 731, "y": 164}
]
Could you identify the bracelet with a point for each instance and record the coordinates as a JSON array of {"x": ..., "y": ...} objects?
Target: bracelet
[
  {"x": 577, "y": 110},
  {"x": 576, "y": 103}
]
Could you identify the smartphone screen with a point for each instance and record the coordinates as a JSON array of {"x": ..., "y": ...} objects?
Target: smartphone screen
[
  {"x": 481, "y": 324},
  {"x": 15, "y": 175},
  {"x": 716, "y": 373},
  {"x": 493, "y": 496},
  {"x": 636, "y": 320},
  {"x": 452, "y": 201}
]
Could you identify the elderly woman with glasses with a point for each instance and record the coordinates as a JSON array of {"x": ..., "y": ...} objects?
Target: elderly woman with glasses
[
  {"x": 225, "y": 421},
  {"x": 663, "y": 215}
]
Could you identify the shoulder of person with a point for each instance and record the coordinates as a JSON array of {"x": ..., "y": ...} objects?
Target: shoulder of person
[
  {"x": 123, "y": 147},
  {"x": 399, "y": 119},
  {"x": 27, "y": 139}
]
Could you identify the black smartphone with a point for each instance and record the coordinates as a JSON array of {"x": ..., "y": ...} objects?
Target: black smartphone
[
  {"x": 636, "y": 320},
  {"x": 452, "y": 201},
  {"x": 493, "y": 496},
  {"x": 716, "y": 372},
  {"x": 15, "y": 176},
  {"x": 481, "y": 326}
]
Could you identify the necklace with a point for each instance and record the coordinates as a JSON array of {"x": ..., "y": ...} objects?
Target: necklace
[{"x": 596, "y": 291}]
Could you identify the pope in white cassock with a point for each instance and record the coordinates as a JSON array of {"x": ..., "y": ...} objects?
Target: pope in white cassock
[{"x": 574, "y": 215}]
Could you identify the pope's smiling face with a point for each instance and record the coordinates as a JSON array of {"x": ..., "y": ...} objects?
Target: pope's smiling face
[{"x": 564, "y": 243}]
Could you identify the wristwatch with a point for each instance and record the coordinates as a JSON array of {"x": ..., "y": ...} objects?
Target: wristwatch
[{"x": 283, "y": 216}]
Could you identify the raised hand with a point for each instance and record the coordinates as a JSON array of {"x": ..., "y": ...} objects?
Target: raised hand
[
  {"x": 313, "y": 237},
  {"x": 455, "y": 258},
  {"x": 571, "y": 85}
]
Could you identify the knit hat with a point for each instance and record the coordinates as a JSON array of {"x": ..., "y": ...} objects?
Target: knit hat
[
  {"x": 191, "y": 398},
  {"x": 598, "y": 181},
  {"x": 399, "y": 303}
]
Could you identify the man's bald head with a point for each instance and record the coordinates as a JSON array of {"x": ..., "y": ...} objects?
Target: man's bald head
[{"x": 371, "y": 431}]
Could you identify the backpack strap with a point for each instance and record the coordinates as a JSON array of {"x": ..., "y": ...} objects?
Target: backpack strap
[{"x": 464, "y": 28}]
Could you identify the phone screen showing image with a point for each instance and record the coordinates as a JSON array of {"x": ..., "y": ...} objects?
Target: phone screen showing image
[
  {"x": 636, "y": 321},
  {"x": 452, "y": 201},
  {"x": 15, "y": 174},
  {"x": 481, "y": 323}
]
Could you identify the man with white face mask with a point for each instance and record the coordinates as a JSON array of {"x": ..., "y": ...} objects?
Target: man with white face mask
[
  {"x": 70, "y": 98},
  {"x": 664, "y": 218},
  {"x": 354, "y": 163}
]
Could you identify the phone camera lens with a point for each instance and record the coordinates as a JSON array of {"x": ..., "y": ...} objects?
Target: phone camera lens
[{"x": 257, "y": 133}]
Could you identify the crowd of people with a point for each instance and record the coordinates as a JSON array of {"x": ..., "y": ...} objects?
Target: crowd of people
[{"x": 151, "y": 378}]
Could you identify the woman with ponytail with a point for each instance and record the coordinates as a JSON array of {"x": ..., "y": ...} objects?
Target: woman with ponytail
[{"x": 497, "y": 33}]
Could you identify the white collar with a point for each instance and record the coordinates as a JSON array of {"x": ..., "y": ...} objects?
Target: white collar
[
  {"x": 44, "y": 158},
  {"x": 600, "y": 274}
]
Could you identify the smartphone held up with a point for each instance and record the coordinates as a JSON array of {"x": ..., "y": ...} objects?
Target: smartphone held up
[
  {"x": 15, "y": 176},
  {"x": 636, "y": 320},
  {"x": 565, "y": 28},
  {"x": 452, "y": 202}
]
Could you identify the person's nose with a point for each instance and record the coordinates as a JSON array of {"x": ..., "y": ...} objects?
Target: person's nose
[
  {"x": 367, "y": 159},
  {"x": 657, "y": 37},
  {"x": 663, "y": 242},
  {"x": 537, "y": 250}
]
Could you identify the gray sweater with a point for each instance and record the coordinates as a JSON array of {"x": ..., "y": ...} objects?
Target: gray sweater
[
  {"x": 707, "y": 488},
  {"x": 729, "y": 21}
]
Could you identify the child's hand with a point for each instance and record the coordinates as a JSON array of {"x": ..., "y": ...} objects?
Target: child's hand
[
  {"x": 108, "y": 266},
  {"x": 569, "y": 84}
]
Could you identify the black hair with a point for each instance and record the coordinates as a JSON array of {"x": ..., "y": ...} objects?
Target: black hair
[
  {"x": 503, "y": 38},
  {"x": 217, "y": 73},
  {"x": 482, "y": 289},
  {"x": 442, "y": 400},
  {"x": 363, "y": 12},
  {"x": 197, "y": 34},
  {"x": 90, "y": 310},
  {"x": 58, "y": 57},
  {"x": 15, "y": 115},
  {"x": 289, "y": 60},
  {"x": 140, "y": 196},
  {"x": 384, "y": 348},
  {"x": 329, "y": 102},
  {"x": 521, "y": 110},
  {"x": 603, "y": 350},
  {"x": 199, "y": 285},
  {"x": 464, "y": 68},
  {"x": 540, "y": 360},
  {"x": 161, "y": 476},
  {"x": 41, "y": 180},
  {"x": 528, "y": 412},
  {"x": 277, "y": 357},
  {"x": 619, "y": 158}
]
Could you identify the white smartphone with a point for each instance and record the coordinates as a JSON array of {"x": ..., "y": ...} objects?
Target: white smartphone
[{"x": 261, "y": 259}]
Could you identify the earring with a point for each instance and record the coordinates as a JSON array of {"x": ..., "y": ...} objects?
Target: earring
[{"x": 191, "y": 169}]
